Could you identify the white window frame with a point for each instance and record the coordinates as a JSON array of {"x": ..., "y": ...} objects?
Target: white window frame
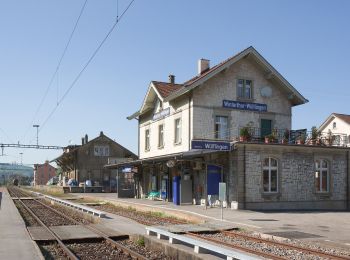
[
  {"x": 161, "y": 136},
  {"x": 320, "y": 170},
  {"x": 242, "y": 94},
  {"x": 177, "y": 131},
  {"x": 219, "y": 126},
  {"x": 270, "y": 168},
  {"x": 147, "y": 139}
]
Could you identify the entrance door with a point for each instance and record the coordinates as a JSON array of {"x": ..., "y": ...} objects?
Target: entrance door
[{"x": 266, "y": 127}]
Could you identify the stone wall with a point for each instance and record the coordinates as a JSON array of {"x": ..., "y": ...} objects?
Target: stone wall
[{"x": 296, "y": 177}]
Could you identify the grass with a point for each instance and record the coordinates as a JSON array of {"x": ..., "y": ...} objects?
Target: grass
[{"x": 140, "y": 241}]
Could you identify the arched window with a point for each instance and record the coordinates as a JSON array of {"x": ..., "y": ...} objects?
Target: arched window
[
  {"x": 270, "y": 175},
  {"x": 334, "y": 125},
  {"x": 321, "y": 175}
]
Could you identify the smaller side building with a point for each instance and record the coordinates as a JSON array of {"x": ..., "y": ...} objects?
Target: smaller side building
[
  {"x": 43, "y": 173},
  {"x": 86, "y": 162}
]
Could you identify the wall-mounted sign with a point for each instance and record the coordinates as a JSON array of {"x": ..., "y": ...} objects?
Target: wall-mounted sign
[
  {"x": 211, "y": 145},
  {"x": 161, "y": 114},
  {"x": 171, "y": 163},
  {"x": 244, "y": 105}
]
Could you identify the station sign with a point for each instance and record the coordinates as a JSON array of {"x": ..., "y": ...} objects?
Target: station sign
[
  {"x": 244, "y": 105},
  {"x": 161, "y": 114},
  {"x": 211, "y": 145}
]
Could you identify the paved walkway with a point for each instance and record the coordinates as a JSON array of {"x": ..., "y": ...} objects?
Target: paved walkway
[
  {"x": 15, "y": 242},
  {"x": 329, "y": 228}
]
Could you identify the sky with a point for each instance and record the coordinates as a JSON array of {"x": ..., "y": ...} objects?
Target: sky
[{"x": 306, "y": 41}]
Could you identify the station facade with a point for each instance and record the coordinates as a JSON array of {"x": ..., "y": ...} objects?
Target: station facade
[{"x": 213, "y": 129}]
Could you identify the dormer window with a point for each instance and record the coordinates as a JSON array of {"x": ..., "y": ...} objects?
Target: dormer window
[{"x": 244, "y": 88}]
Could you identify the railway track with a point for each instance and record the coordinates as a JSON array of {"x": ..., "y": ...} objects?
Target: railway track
[
  {"x": 266, "y": 248},
  {"x": 103, "y": 247}
]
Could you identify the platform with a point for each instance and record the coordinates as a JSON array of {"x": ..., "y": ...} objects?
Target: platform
[{"x": 15, "y": 242}]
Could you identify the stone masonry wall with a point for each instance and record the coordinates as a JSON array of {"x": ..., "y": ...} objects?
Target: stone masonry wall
[{"x": 296, "y": 177}]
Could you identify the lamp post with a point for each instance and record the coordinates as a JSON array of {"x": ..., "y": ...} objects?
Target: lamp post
[{"x": 37, "y": 134}]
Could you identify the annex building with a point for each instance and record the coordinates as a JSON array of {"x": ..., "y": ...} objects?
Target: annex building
[{"x": 231, "y": 123}]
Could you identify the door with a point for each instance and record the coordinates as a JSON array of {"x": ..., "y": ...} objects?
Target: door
[{"x": 266, "y": 127}]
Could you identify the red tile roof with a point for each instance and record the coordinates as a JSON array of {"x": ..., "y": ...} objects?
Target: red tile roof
[
  {"x": 165, "y": 88},
  {"x": 343, "y": 117}
]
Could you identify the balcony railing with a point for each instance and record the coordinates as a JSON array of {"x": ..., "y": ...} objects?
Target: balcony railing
[{"x": 283, "y": 136}]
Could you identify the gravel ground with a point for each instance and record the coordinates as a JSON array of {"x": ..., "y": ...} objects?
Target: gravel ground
[
  {"x": 142, "y": 250},
  {"x": 52, "y": 251},
  {"x": 265, "y": 247},
  {"x": 27, "y": 217},
  {"x": 146, "y": 218},
  {"x": 70, "y": 212},
  {"x": 46, "y": 215},
  {"x": 97, "y": 250}
]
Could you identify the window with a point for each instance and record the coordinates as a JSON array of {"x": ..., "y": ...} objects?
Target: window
[
  {"x": 270, "y": 175},
  {"x": 101, "y": 150},
  {"x": 221, "y": 130},
  {"x": 147, "y": 140},
  {"x": 244, "y": 88},
  {"x": 161, "y": 136},
  {"x": 321, "y": 175},
  {"x": 177, "y": 138},
  {"x": 334, "y": 125}
]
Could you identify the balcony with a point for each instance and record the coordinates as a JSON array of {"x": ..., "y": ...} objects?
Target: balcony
[{"x": 278, "y": 136}]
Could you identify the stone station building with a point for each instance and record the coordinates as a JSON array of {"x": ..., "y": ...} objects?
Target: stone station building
[{"x": 190, "y": 140}]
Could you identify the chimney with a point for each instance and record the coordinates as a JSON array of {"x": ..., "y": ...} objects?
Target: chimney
[
  {"x": 82, "y": 140},
  {"x": 203, "y": 66},
  {"x": 86, "y": 139},
  {"x": 171, "y": 79},
  {"x": 101, "y": 133}
]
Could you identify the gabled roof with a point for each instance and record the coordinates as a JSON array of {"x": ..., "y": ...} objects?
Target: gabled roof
[
  {"x": 165, "y": 88},
  {"x": 343, "y": 117},
  {"x": 167, "y": 92}
]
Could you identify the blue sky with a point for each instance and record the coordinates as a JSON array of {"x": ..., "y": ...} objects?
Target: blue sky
[{"x": 306, "y": 41}]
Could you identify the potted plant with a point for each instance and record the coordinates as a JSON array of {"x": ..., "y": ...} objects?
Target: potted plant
[
  {"x": 315, "y": 134},
  {"x": 269, "y": 139},
  {"x": 301, "y": 139},
  {"x": 244, "y": 134},
  {"x": 330, "y": 138},
  {"x": 285, "y": 138}
]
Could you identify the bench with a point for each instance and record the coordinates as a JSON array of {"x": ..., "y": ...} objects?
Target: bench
[
  {"x": 83, "y": 208},
  {"x": 198, "y": 245}
]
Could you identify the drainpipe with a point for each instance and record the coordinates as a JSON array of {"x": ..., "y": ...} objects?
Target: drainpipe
[
  {"x": 244, "y": 177},
  {"x": 348, "y": 179},
  {"x": 189, "y": 123}
]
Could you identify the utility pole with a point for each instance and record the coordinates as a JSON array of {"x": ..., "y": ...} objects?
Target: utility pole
[
  {"x": 37, "y": 134},
  {"x": 21, "y": 158}
]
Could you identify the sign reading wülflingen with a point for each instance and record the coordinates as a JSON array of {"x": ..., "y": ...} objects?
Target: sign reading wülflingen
[
  {"x": 211, "y": 145},
  {"x": 244, "y": 105},
  {"x": 161, "y": 114}
]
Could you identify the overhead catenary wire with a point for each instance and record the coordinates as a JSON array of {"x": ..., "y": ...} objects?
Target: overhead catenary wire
[
  {"x": 86, "y": 65},
  {"x": 56, "y": 70}
]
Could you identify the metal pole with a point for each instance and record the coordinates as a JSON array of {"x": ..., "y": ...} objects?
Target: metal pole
[
  {"x": 222, "y": 210},
  {"x": 37, "y": 134}
]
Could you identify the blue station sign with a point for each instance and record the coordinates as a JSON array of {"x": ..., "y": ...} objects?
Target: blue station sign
[
  {"x": 161, "y": 114},
  {"x": 211, "y": 145},
  {"x": 244, "y": 105}
]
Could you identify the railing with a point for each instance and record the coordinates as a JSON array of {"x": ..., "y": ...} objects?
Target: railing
[{"x": 284, "y": 136}]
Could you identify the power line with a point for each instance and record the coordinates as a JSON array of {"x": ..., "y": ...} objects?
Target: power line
[
  {"x": 86, "y": 65},
  {"x": 57, "y": 68}
]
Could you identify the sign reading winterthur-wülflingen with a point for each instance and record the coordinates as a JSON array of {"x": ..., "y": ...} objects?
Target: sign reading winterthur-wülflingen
[
  {"x": 211, "y": 145},
  {"x": 244, "y": 105},
  {"x": 161, "y": 114}
]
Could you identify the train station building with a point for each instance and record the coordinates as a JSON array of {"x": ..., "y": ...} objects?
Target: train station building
[{"x": 232, "y": 123}]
